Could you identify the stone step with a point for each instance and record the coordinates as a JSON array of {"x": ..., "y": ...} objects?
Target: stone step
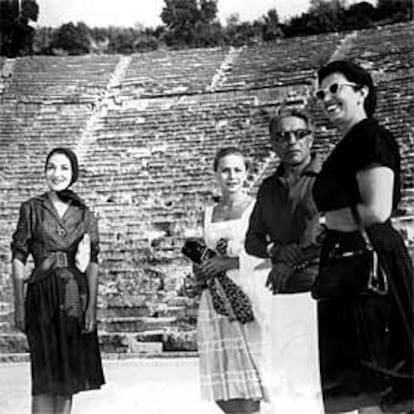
[
  {"x": 13, "y": 343},
  {"x": 5, "y": 307},
  {"x": 24, "y": 356},
  {"x": 14, "y": 357},
  {"x": 6, "y": 316},
  {"x": 7, "y": 327},
  {"x": 133, "y": 324},
  {"x": 119, "y": 312},
  {"x": 180, "y": 340},
  {"x": 176, "y": 309},
  {"x": 148, "y": 342},
  {"x": 123, "y": 323},
  {"x": 127, "y": 342}
]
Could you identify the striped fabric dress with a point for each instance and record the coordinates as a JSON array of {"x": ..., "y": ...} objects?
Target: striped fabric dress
[{"x": 229, "y": 351}]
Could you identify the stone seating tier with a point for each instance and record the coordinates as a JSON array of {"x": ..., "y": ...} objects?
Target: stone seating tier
[
  {"x": 271, "y": 64},
  {"x": 162, "y": 73},
  {"x": 65, "y": 79},
  {"x": 392, "y": 53},
  {"x": 146, "y": 160}
]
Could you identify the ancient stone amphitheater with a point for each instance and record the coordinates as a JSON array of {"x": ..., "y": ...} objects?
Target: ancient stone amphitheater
[{"x": 145, "y": 128}]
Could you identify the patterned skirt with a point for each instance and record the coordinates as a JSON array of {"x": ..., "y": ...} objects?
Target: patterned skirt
[
  {"x": 227, "y": 364},
  {"x": 64, "y": 360}
]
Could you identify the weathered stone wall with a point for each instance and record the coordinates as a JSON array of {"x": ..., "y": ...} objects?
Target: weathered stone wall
[{"x": 146, "y": 129}]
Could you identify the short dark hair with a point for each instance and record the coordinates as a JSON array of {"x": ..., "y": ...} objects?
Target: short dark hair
[
  {"x": 356, "y": 74},
  {"x": 286, "y": 112},
  {"x": 223, "y": 152}
]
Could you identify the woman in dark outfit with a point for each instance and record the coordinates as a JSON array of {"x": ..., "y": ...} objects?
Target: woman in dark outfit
[
  {"x": 366, "y": 343},
  {"x": 58, "y": 312}
]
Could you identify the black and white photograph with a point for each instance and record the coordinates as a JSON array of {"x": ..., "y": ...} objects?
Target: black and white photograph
[{"x": 206, "y": 207}]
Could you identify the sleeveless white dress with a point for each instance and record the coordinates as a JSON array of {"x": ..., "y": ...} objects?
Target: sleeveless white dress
[{"x": 229, "y": 352}]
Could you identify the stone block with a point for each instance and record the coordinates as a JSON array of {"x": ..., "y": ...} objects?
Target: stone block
[
  {"x": 13, "y": 343},
  {"x": 113, "y": 343},
  {"x": 175, "y": 340},
  {"x": 134, "y": 324},
  {"x": 14, "y": 357},
  {"x": 7, "y": 327},
  {"x": 125, "y": 342},
  {"x": 145, "y": 347},
  {"x": 123, "y": 311}
]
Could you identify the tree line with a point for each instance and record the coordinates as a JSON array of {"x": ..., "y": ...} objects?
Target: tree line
[{"x": 188, "y": 24}]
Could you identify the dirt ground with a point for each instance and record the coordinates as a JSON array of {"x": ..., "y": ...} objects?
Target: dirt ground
[{"x": 147, "y": 386}]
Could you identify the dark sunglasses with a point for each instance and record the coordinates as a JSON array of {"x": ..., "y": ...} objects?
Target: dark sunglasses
[
  {"x": 333, "y": 89},
  {"x": 299, "y": 134}
]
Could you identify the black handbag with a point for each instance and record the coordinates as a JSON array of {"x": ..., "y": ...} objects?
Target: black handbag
[
  {"x": 351, "y": 268},
  {"x": 228, "y": 298}
]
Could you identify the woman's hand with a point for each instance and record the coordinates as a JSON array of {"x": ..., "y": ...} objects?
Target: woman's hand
[
  {"x": 221, "y": 246},
  {"x": 278, "y": 277},
  {"x": 198, "y": 273},
  {"x": 19, "y": 318},
  {"x": 90, "y": 319},
  {"x": 216, "y": 265},
  {"x": 192, "y": 286}
]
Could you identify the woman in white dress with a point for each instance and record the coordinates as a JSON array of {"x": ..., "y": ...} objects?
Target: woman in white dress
[{"x": 229, "y": 350}]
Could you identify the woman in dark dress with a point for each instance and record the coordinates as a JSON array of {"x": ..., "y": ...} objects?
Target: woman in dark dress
[
  {"x": 366, "y": 342},
  {"x": 57, "y": 310}
]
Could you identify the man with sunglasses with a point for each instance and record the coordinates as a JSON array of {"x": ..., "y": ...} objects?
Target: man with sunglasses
[
  {"x": 284, "y": 210},
  {"x": 283, "y": 227}
]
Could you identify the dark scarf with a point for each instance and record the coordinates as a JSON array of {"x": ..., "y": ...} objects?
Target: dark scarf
[{"x": 68, "y": 195}]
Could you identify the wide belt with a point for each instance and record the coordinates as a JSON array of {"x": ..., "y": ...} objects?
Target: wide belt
[{"x": 54, "y": 260}]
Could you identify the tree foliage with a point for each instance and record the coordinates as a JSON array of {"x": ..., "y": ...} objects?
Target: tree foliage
[
  {"x": 72, "y": 39},
  {"x": 362, "y": 15},
  {"x": 392, "y": 11},
  {"x": 188, "y": 23},
  {"x": 238, "y": 33},
  {"x": 333, "y": 15},
  {"x": 16, "y": 34},
  {"x": 191, "y": 23},
  {"x": 271, "y": 27}
]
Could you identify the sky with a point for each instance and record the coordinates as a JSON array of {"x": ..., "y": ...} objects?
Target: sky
[{"x": 130, "y": 12}]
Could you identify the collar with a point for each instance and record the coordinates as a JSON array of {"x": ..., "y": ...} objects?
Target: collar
[
  {"x": 71, "y": 196},
  {"x": 312, "y": 169},
  {"x": 46, "y": 202},
  {"x": 43, "y": 198}
]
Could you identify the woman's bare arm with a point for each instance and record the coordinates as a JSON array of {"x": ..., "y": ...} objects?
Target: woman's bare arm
[{"x": 376, "y": 185}]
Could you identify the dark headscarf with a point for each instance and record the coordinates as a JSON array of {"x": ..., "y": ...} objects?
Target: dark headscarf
[
  {"x": 67, "y": 194},
  {"x": 72, "y": 158}
]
